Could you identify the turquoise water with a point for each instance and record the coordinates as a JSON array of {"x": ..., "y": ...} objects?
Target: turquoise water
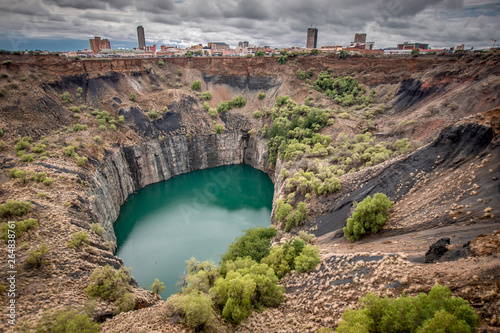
[{"x": 197, "y": 214}]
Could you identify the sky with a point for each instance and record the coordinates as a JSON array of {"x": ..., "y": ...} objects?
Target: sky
[{"x": 64, "y": 25}]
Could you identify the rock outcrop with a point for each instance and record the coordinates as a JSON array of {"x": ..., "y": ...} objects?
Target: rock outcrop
[{"x": 131, "y": 168}]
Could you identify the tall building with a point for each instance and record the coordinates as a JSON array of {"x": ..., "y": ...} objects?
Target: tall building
[
  {"x": 97, "y": 44},
  {"x": 359, "y": 38},
  {"x": 218, "y": 46},
  {"x": 243, "y": 44},
  {"x": 312, "y": 38},
  {"x": 140, "y": 36}
]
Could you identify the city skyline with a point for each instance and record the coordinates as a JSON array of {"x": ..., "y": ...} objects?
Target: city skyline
[{"x": 62, "y": 25}]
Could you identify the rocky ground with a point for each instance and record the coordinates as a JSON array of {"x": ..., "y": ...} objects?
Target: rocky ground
[{"x": 447, "y": 188}]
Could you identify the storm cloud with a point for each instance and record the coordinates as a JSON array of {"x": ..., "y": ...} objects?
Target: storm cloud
[{"x": 280, "y": 23}]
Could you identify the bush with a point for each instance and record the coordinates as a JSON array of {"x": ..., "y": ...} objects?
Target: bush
[
  {"x": 133, "y": 97},
  {"x": 224, "y": 106},
  {"x": 370, "y": 216},
  {"x": 121, "y": 119},
  {"x": 74, "y": 109},
  {"x": 179, "y": 73},
  {"x": 66, "y": 320},
  {"x": 79, "y": 127},
  {"x": 15, "y": 208},
  {"x": 281, "y": 258},
  {"x": 112, "y": 285},
  {"x": 66, "y": 98},
  {"x": 38, "y": 149},
  {"x": 161, "y": 63},
  {"x": 153, "y": 114},
  {"x": 219, "y": 128},
  {"x": 213, "y": 113},
  {"x": 78, "y": 239},
  {"x": 36, "y": 258},
  {"x": 206, "y": 106},
  {"x": 196, "y": 85},
  {"x": 102, "y": 127},
  {"x": 97, "y": 229},
  {"x": 70, "y": 150},
  {"x": 239, "y": 101},
  {"x": 436, "y": 312},
  {"x": 27, "y": 158},
  {"x": 283, "y": 58},
  {"x": 194, "y": 308},
  {"x": 308, "y": 259},
  {"x": 22, "y": 145},
  {"x": 112, "y": 127},
  {"x": 257, "y": 114},
  {"x": 207, "y": 95},
  {"x": 97, "y": 138},
  {"x": 262, "y": 95},
  {"x": 255, "y": 243},
  {"x": 20, "y": 227},
  {"x": 19, "y": 174}
]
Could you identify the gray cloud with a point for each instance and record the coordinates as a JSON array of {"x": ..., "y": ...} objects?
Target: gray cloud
[{"x": 277, "y": 23}]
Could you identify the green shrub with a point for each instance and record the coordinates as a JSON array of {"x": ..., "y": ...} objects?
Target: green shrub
[
  {"x": 75, "y": 109},
  {"x": 82, "y": 160},
  {"x": 79, "y": 127},
  {"x": 257, "y": 114},
  {"x": 66, "y": 320},
  {"x": 308, "y": 259},
  {"x": 48, "y": 181},
  {"x": 255, "y": 243},
  {"x": 66, "y": 98},
  {"x": 453, "y": 106},
  {"x": 39, "y": 148},
  {"x": 97, "y": 138},
  {"x": 103, "y": 127},
  {"x": 3, "y": 145},
  {"x": 305, "y": 236},
  {"x": 78, "y": 239},
  {"x": 112, "y": 285},
  {"x": 19, "y": 174},
  {"x": 70, "y": 150},
  {"x": 283, "y": 58},
  {"x": 207, "y": 95},
  {"x": 133, "y": 97},
  {"x": 179, "y": 73},
  {"x": 97, "y": 229},
  {"x": 153, "y": 114},
  {"x": 219, "y": 128},
  {"x": 213, "y": 113},
  {"x": 112, "y": 127},
  {"x": 15, "y": 208},
  {"x": 22, "y": 145},
  {"x": 121, "y": 119},
  {"x": 36, "y": 258},
  {"x": 160, "y": 63},
  {"x": 27, "y": 158},
  {"x": 206, "y": 106},
  {"x": 2, "y": 93},
  {"x": 262, "y": 95},
  {"x": 194, "y": 308},
  {"x": 281, "y": 258},
  {"x": 196, "y": 85},
  {"x": 239, "y": 101},
  {"x": 224, "y": 106},
  {"x": 436, "y": 312},
  {"x": 19, "y": 228},
  {"x": 370, "y": 215},
  {"x": 42, "y": 195},
  {"x": 1, "y": 132}
]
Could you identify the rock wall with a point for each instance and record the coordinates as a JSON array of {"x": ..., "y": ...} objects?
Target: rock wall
[{"x": 131, "y": 168}]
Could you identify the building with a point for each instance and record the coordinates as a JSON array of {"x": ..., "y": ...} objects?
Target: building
[
  {"x": 331, "y": 49},
  {"x": 140, "y": 36},
  {"x": 411, "y": 46},
  {"x": 243, "y": 44},
  {"x": 197, "y": 47},
  {"x": 97, "y": 44},
  {"x": 312, "y": 38},
  {"x": 361, "y": 43},
  {"x": 218, "y": 46},
  {"x": 359, "y": 38}
]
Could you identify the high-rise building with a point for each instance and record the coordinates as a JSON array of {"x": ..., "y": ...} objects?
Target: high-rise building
[
  {"x": 97, "y": 44},
  {"x": 140, "y": 36},
  {"x": 359, "y": 38},
  {"x": 243, "y": 44},
  {"x": 312, "y": 38}
]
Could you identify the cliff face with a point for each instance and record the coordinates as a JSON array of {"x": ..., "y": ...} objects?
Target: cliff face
[{"x": 133, "y": 167}]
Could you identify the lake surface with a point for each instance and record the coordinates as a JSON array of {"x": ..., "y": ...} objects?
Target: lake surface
[{"x": 197, "y": 214}]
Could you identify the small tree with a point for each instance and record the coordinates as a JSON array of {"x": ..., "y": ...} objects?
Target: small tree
[
  {"x": 196, "y": 85},
  {"x": 415, "y": 52},
  {"x": 239, "y": 101},
  {"x": 262, "y": 95},
  {"x": 370, "y": 216},
  {"x": 219, "y": 129},
  {"x": 161, "y": 63},
  {"x": 342, "y": 54},
  {"x": 133, "y": 97},
  {"x": 157, "y": 287}
]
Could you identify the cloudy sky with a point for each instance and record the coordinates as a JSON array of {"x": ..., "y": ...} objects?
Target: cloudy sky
[{"x": 59, "y": 25}]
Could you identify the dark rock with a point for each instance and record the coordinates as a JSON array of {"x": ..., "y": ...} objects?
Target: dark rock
[{"x": 437, "y": 250}]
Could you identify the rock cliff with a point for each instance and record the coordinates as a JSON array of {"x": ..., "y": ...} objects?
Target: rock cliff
[{"x": 131, "y": 168}]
